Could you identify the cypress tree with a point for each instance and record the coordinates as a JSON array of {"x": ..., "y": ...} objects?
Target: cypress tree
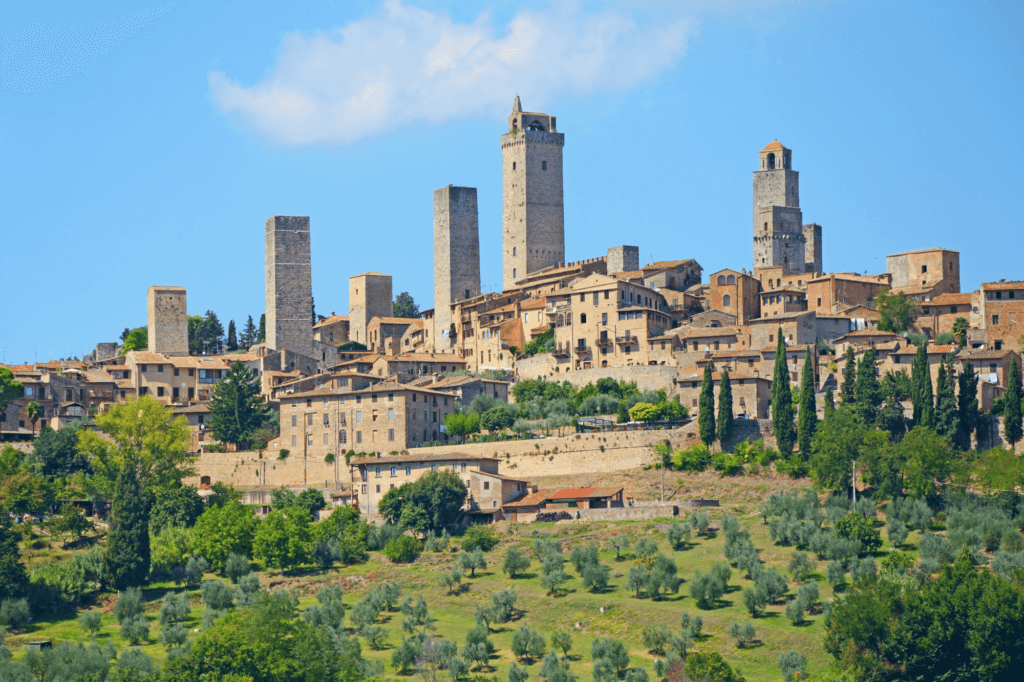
[
  {"x": 724, "y": 407},
  {"x": 261, "y": 336},
  {"x": 849, "y": 377},
  {"x": 830, "y": 403},
  {"x": 232, "y": 338},
  {"x": 249, "y": 333},
  {"x": 946, "y": 417},
  {"x": 1011, "y": 413},
  {"x": 807, "y": 418},
  {"x": 13, "y": 578},
  {"x": 921, "y": 382},
  {"x": 782, "y": 400},
  {"x": 868, "y": 392},
  {"x": 967, "y": 406},
  {"x": 706, "y": 408},
  {"x": 127, "y": 553}
]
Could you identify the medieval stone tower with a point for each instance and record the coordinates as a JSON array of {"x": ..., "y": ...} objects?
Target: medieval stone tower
[
  {"x": 168, "y": 320},
  {"x": 369, "y": 296},
  {"x": 778, "y": 221},
  {"x": 289, "y": 285},
  {"x": 456, "y": 254},
  {"x": 533, "y": 215}
]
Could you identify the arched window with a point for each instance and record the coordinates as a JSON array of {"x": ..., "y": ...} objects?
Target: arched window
[
  {"x": 513, "y": 252},
  {"x": 513, "y": 273},
  {"x": 731, "y": 279},
  {"x": 721, "y": 279},
  {"x": 771, "y": 161},
  {"x": 727, "y": 300}
]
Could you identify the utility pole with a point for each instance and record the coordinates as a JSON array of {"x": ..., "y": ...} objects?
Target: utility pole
[{"x": 853, "y": 482}]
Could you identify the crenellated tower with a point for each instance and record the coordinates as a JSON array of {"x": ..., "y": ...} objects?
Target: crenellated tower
[
  {"x": 779, "y": 238},
  {"x": 533, "y": 215}
]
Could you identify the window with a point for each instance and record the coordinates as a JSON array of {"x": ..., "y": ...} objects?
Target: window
[
  {"x": 295, "y": 420},
  {"x": 359, "y": 436},
  {"x": 160, "y": 391},
  {"x": 543, "y": 165},
  {"x": 513, "y": 273},
  {"x": 819, "y": 302},
  {"x": 463, "y": 466},
  {"x": 513, "y": 165},
  {"x": 192, "y": 373},
  {"x": 583, "y": 318},
  {"x": 995, "y": 319},
  {"x": 309, "y": 420},
  {"x": 142, "y": 368},
  {"x": 433, "y": 467},
  {"x": 342, "y": 437},
  {"x": 160, "y": 368},
  {"x": 174, "y": 393},
  {"x": 359, "y": 416},
  {"x": 378, "y": 488},
  {"x": 293, "y": 441},
  {"x": 487, "y": 485},
  {"x": 924, "y": 269},
  {"x": 373, "y": 398},
  {"x": 175, "y": 371},
  {"x": 391, "y": 434},
  {"x": 359, "y": 399},
  {"x": 408, "y": 471},
  {"x": 727, "y": 300},
  {"x": 394, "y": 471},
  {"x": 606, "y": 295},
  {"x": 326, "y": 438},
  {"x": 998, "y": 345}
]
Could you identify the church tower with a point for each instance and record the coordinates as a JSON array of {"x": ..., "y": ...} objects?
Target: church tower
[
  {"x": 533, "y": 215},
  {"x": 779, "y": 238}
]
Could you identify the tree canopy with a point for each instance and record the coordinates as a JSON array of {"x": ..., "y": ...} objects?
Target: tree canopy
[
  {"x": 895, "y": 311},
  {"x": 136, "y": 339},
  {"x": 238, "y": 407},
  {"x": 405, "y": 306},
  {"x": 9, "y": 388},
  {"x": 431, "y": 502}
]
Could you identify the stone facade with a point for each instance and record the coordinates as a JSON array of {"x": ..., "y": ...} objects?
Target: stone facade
[
  {"x": 735, "y": 293},
  {"x": 1002, "y": 314},
  {"x": 369, "y": 296},
  {"x": 623, "y": 259},
  {"x": 289, "y": 284},
  {"x": 456, "y": 255},
  {"x": 533, "y": 213},
  {"x": 168, "y": 320},
  {"x": 925, "y": 271},
  {"x": 812, "y": 248},
  {"x": 779, "y": 238}
]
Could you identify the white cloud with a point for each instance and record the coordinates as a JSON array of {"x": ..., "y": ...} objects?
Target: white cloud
[{"x": 406, "y": 64}]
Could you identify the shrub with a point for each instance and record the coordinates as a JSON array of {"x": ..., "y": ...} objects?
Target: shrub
[
  {"x": 856, "y": 527},
  {"x": 836, "y": 573},
  {"x": 800, "y": 565},
  {"x": 515, "y": 562},
  {"x": 528, "y": 643},
  {"x": 694, "y": 458},
  {"x": 896, "y": 530},
  {"x": 655, "y": 637},
  {"x": 90, "y": 622},
  {"x": 791, "y": 663},
  {"x": 401, "y": 550},
  {"x": 479, "y": 537},
  {"x": 743, "y": 634},
  {"x": 236, "y": 566},
  {"x": 135, "y": 630},
  {"x": 678, "y": 533},
  {"x": 14, "y": 613}
]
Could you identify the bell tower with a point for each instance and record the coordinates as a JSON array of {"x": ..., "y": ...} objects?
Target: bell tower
[
  {"x": 533, "y": 215},
  {"x": 779, "y": 239}
]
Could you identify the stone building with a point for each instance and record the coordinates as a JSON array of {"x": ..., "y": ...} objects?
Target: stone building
[
  {"x": 168, "y": 320},
  {"x": 384, "y": 334},
  {"x": 333, "y": 330},
  {"x": 837, "y": 291},
  {"x": 925, "y": 272},
  {"x": 456, "y": 255},
  {"x": 779, "y": 238},
  {"x": 622, "y": 259},
  {"x": 1002, "y": 314},
  {"x": 939, "y": 313},
  {"x": 384, "y": 417},
  {"x": 369, "y": 296},
  {"x": 289, "y": 284},
  {"x": 533, "y": 213},
  {"x": 735, "y": 293},
  {"x": 751, "y": 395}
]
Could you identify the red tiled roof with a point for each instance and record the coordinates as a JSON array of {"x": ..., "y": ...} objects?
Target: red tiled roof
[
  {"x": 1002, "y": 285},
  {"x": 951, "y": 299},
  {"x": 774, "y": 144},
  {"x": 580, "y": 493}
]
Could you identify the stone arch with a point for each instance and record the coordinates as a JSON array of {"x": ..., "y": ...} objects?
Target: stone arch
[
  {"x": 727, "y": 300},
  {"x": 771, "y": 160},
  {"x": 204, "y": 481},
  {"x": 721, "y": 279}
]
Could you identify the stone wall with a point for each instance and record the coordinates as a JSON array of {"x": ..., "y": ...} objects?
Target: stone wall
[
  {"x": 627, "y": 513},
  {"x": 623, "y": 259},
  {"x": 168, "y": 320},
  {"x": 289, "y": 284},
  {"x": 244, "y": 469},
  {"x": 369, "y": 296},
  {"x": 647, "y": 377}
]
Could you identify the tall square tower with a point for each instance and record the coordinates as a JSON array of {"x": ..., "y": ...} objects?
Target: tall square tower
[
  {"x": 456, "y": 254},
  {"x": 623, "y": 259},
  {"x": 369, "y": 296},
  {"x": 168, "y": 320},
  {"x": 533, "y": 215},
  {"x": 778, "y": 221},
  {"x": 289, "y": 284}
]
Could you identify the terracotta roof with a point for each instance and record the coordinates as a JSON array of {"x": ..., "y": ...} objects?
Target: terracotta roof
[
  {"x": 1002, "y": 285},
  {"x": 774, "y": 144},
  {"x": 533, "y": 303},
  {"x": 427, "y": 457},
  {"x": 629, "y": 274},
  {"x": 951, "y": 299},
  {"x": 432, "y": 357},
  {"x": 331, "y": 319},
  {"x": 376, "y": 274},
  {"x": 531, "y": 499},
  {"x": 944, "y": 350},
  {"x": 392, "y": 320},
  {"x": 984, "y": 354},
  {"x": 792, "y": 289},
  {"x": 192, "y": 409},
  {"x": 904, "y": 253},
  {"x": 866, "y": 332},
  {"x": 851, "y": 276},
  {"x": 580, "y": 493},
  {"x": 715, "y": 355},
  {"x": 708, "y": 332},
  {"x": 666, "y": 264}
]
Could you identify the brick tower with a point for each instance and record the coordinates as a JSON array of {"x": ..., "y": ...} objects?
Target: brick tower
[
  {"x": 533, "y": 215},
  {"x": 168, "y": 320},
  {"x": 779, "y": 238},
  {"x": 289, "y": 285},
  {"x": 456, "y": 254}
]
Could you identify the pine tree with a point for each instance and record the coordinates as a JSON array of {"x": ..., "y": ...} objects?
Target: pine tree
[
  {"x": 238, "y": 407},
  {"x": 262, "y": 334},
  {"x": 946, "y": 416},
  {"x": 312, "y": 303},
  {"x": 13, "y": 577},
  {"x": 724, "y": 408},
  {"x": 232, "y": 339},
  {"x": 1011, "y": 412},
  {"x": 782, "y": 400},
  {"x": 807, "y": 419},
  {"x": 921, "y": 384},
  {"x": 849, "y": 377},
  {"x": 248, "y": 333},
  {"x": 967, "y": 406},
  {"x": 830, "y": 403},
  {"x": 706, "y": 408},
  {"x": 126, "y": 557},
  {"x": 212, "y": 333},
  {"x": 867, "y": 391}
]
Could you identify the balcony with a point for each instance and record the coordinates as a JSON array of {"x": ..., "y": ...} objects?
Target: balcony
[
  {"x": 603, "y": 341},
  {"x": 627, "y": 339},
  {"x": 560, "y": 352},
  {"x": 580, "y": 350}
]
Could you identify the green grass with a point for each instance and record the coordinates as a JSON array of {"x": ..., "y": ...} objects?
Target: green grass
[{"x": 624, "y": 616}]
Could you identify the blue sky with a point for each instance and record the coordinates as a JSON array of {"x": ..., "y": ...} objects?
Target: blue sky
[{"x": 146, "y": 144}]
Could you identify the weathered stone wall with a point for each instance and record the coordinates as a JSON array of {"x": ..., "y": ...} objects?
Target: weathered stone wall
[
  {"x": 254, "y": 468},
  {"x": 623, "y": 259},
  {"x": 369, "y": 296},
  {"x": 812, "y": 252},
  {"x": 626, "y": 513},
  {"x": 289, "y": 284},
  {"x": 647, "y": 377},
  {"x": 168, "y": 320},
  {"x": 456, "y": 254},
  {"x": 532, "y": 203}
]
